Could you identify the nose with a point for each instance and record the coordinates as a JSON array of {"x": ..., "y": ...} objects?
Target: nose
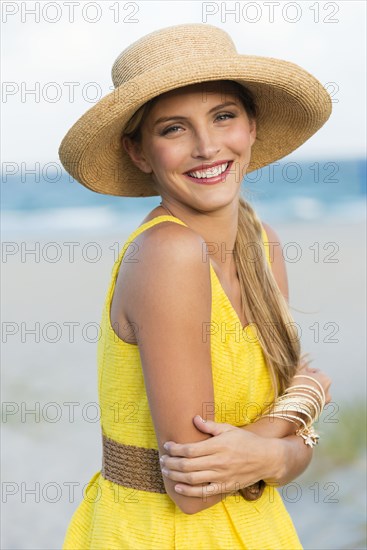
[{"x": 205, "y": 145}]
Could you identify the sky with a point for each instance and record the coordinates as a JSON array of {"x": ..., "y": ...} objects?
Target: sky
[{"x": 64, "y": 52}]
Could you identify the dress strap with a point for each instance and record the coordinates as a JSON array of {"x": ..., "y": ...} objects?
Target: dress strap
[{"x": 154, "y": 221}]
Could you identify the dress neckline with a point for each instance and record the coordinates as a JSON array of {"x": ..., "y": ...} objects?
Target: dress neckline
[{"x": 234, "y": 312}]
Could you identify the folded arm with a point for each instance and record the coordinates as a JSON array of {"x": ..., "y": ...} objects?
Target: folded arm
[
  {"x": 171, "y": 301},
  {"x": 289, "y": 453}
]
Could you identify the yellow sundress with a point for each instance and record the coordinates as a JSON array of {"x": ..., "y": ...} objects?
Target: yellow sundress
[{"x": 114, "y": 517}]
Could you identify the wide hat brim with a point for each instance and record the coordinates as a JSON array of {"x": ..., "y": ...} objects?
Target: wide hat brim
[{"x": 292, "y": 106}]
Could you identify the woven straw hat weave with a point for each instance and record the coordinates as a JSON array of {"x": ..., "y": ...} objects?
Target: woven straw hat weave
[{"x": 292, "y": 104}]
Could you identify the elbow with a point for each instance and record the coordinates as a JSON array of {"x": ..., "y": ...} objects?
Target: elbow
[
  {"x": 190, "y": 505},
  {"x": 186, "y": 510}
]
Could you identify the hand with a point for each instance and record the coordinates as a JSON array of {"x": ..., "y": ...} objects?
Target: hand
[{"x": 229, "y": 461}]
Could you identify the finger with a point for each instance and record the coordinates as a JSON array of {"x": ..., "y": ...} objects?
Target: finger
[
  {"x": 192, "y": 450},
  {"x": 205, "y": 491},
  {"x": 187, "y": 465},
  {"x": 192, "y": 478},
  {"x": 211, "y": 427},
  {"x": 199, "y": 448},
  {"x": 198, "y": 491}
]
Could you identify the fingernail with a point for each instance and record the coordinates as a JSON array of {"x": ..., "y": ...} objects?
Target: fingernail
[
  {"x": 166, "y": 446},
  {"x": 178, "y": 489}
]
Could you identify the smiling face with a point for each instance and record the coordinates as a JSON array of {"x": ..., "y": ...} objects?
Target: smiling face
[{"x": 196, "y": 142}]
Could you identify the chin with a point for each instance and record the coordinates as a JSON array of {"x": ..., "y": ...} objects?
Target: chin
[{"x": 216, "y": 203}]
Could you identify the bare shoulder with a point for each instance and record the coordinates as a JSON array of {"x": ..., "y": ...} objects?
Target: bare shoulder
[
  {"x": 179, "y": 241},
  {"x": 277, "y": 259},
  {"x": 170, "y": 266},
  {"x": 166, "y": 257}
]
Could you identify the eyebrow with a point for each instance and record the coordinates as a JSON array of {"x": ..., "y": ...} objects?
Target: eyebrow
[{"x": 178, "y": 117}]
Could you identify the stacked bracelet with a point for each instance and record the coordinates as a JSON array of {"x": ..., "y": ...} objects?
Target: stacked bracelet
[
  {"x": 304, "y": 400},
  {"x": 300, "y": 404}
]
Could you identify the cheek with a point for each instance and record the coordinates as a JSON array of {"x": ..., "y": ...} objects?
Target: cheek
[
  {"x": 168, "y": 156},
  {"x": 240, "y": 139}
]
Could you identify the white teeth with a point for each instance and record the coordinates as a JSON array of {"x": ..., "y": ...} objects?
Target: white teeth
[{"x": 211, "y": 172}]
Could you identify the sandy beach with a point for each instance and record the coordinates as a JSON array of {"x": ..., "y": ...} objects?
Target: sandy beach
[{"x": 51, "y": 306}]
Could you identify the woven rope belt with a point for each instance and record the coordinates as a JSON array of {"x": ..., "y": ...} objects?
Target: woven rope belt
[
  {"x": 130, "y": 466},
  {"x": 139, "y": 468}
]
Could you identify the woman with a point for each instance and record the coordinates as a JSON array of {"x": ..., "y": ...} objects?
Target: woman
[{"x": 195, "y": 320}]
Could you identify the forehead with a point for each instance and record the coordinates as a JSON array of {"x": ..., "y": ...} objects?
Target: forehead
[{"x": 204, "y": 92}]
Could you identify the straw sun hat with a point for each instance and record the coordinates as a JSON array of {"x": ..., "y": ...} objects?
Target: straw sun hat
[{"x": 292, "y": 104}]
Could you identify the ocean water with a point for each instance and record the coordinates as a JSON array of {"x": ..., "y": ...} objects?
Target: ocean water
[{"x": 50, "y": 201}]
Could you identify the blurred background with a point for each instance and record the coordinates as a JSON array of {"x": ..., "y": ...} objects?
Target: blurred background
[{"x": 60, "y": 240}]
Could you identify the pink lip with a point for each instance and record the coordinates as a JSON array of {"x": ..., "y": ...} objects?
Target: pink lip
[
  {"x": 204, "y": 166},
  {"x": 210, "y": 181}
]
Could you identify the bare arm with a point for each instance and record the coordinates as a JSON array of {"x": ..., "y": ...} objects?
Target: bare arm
[
  {"x": 171, "y": 297},
  {"x": 294, "y": 456},
  {"x": 291, "y": 456}
]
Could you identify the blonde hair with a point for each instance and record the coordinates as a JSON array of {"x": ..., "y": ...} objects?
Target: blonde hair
[
  {"x": 263, "y": 303},
  {"x": 264, "y": 306}
]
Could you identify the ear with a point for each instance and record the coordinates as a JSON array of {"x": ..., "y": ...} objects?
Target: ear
[
  {"x": 133, "y": 149},
  {"x": 252, "y": 122}
]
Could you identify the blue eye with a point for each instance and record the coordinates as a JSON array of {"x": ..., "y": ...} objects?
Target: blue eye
[
  {"x": 170, "y": 130},
  {"x": 225, "y": 116}
]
